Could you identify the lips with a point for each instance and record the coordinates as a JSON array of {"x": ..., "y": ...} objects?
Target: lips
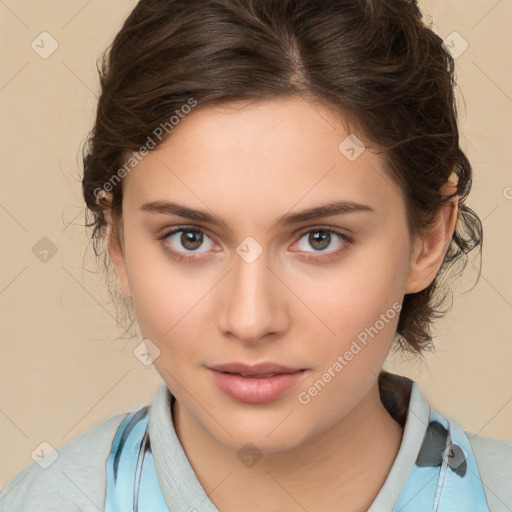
[
  {"x": 255, "y": 384},
  {"x": 261, "y": 370}
]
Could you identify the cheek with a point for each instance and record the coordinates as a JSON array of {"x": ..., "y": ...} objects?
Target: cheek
[
  {"x": 165, "y": 295},
  {"x": 353, "y": 296}
]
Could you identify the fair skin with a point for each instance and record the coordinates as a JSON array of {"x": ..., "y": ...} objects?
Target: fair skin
[{"x": 251, "y": 165}]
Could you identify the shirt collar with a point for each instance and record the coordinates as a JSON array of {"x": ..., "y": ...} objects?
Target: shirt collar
[{"x": 183, "y": 492}]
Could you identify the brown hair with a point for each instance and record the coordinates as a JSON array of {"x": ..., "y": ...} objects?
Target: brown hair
[{"x": 375, "y": 62}]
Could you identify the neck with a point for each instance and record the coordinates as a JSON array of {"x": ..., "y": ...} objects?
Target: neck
[{"x": 346, "y": 464}]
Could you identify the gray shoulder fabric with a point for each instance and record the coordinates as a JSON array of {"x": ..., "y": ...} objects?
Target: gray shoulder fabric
[
  {"x": 72, "y": 483},
  {"x": 494, "y": 460}
]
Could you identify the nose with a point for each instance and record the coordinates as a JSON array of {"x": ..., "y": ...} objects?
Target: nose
[{"x": 254, "y": 306}]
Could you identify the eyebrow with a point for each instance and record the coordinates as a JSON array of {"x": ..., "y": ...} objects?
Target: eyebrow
[{"x": 327, "y": 210}]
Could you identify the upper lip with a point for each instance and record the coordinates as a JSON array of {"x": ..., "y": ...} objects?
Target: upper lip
[{"x": 256, "y": 369}]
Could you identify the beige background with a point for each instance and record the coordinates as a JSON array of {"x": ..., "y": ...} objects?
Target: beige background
[{"x": 64, "y": 368}]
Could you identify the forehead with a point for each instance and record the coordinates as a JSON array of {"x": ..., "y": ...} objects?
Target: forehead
[{"x": 275, "y": 152}]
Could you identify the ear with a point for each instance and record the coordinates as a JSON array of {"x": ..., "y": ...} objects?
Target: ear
[
  {"x": 115, "y": 249},
  {"x": 429, "y": 249}
]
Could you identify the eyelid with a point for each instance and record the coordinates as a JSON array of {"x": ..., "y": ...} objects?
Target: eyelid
[
  {"x": 189, "y": 227},
  {"x": 319, "y": 227}
]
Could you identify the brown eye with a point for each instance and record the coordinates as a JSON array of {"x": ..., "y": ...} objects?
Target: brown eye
[
  {"x": 191, "y": 240},
  {"x": 183, "y": 243},
  {"x": 320, "y": 239}
]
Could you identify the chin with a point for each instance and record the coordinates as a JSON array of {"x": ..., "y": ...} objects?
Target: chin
[
  {"x": 269, "y": 434},
  {"x": 261, "y": 443}
]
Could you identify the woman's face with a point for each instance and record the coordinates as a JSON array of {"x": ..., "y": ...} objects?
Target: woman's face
[{"x": 262, "y": 286}]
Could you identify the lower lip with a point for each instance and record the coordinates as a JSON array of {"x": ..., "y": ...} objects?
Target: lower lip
[{"x": 256, "y": 391}]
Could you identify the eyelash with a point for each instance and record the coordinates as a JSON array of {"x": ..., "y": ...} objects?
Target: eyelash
[{"x": 193, "y": 257}]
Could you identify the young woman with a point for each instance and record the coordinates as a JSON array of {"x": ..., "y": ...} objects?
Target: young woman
[{"x": 282, "y": 191}]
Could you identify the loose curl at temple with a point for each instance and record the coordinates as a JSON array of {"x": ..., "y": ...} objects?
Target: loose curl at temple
[{"x": 374, "y": 62}]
